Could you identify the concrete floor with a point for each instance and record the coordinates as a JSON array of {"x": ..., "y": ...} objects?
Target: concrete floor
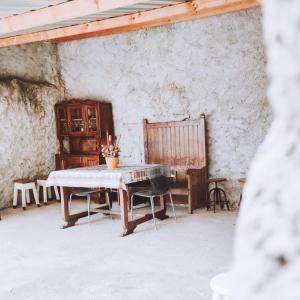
[{"x": 38, "y": 260}]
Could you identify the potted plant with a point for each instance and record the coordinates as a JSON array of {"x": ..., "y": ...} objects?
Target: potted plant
[{"x": 111, "y": 151}]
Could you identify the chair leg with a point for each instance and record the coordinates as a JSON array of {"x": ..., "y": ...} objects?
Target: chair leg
[
  {"x": 56, "y": 193},
  {"x": 131, "y": 207},
  {"x": 23, "y": 199},
  {"x": 215, "y": 195},
  {"x": 118, "y": 196},
  {"x": 89, "y": 206},
  {"x": 210, "y": 201},
  {"x": 45, "y": 195},
  {"x": 27, "y": 196},
  {"x": 108, "y": 202},
  {"x": 35, "y": 195},
  {"x": 153, "y": 211},
  {"x": 171, "y": 199},
  {"x": 226, "y": 202},
  {"x": 15, "y": 200},
  {"x": 49, "y": 192},
  {"x": 107, "y": 199}
]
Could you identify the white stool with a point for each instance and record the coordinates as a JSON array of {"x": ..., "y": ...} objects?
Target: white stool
[
  {"x": 222, "y": 286},
  {"x": 42, "y": 182},
  {"x": 24, "y": 185}
]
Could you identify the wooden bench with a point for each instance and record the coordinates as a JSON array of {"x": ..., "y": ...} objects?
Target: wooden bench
[{"x": 182, "y": 146}]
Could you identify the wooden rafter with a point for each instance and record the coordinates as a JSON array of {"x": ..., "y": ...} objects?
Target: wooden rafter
[
  {"x": 61, "y": 12},
  {"x": 156, "y": 17}
]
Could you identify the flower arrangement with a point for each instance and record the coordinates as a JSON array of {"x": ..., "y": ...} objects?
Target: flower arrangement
[{"x": 112, "y": 148}]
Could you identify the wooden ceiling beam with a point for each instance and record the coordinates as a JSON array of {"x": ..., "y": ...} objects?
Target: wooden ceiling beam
[
  {"x": 147, "y": 19},
  {"x": 60, "y": 12}
]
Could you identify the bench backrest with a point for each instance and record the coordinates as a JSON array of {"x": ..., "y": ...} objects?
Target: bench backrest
[{"x": 180, "y": 144}]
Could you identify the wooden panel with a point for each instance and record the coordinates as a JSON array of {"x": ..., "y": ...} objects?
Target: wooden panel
[{"x": 176, "y": 143}]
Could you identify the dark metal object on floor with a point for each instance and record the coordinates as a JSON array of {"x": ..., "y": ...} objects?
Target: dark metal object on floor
[
  {"x": 242, "y": 182},
  {"x": 216, "y": 195}
]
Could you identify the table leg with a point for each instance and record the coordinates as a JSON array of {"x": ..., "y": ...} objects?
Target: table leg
[
  {"x": 163, "y": 208},
  {"x": 128, "y": 227},
  {"x": 65, "y": 210}
]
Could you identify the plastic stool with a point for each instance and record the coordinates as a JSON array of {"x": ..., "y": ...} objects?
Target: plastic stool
[
  {"x": 25, "y": 185},
  {"x": 222, "y": 286},
  {"x": 42, "y": 182}
]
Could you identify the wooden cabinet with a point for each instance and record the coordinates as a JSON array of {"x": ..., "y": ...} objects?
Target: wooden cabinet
[{"x": 81, "y": 129}]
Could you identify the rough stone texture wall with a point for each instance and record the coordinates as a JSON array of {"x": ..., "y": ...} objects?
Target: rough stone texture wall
[
  {"x": 29, "y": 88},
  {"x": 267, "y": 261},
  {"x": 214, "y": 65}
]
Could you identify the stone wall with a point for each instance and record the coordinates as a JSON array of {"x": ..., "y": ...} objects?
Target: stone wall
[
  {"x": 29, "y": 88},
  {"x": 214, "y": 65}
]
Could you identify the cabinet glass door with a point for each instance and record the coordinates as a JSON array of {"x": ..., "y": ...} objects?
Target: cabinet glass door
[
  {"x": 62, "y": 122},
  {"x": 92, "y": 119},
  {"x": 76, "y": 122}
]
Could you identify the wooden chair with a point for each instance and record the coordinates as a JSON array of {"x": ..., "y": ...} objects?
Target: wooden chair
[{"x": 182, "y": 145}]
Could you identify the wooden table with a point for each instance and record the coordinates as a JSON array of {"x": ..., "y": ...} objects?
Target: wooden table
[{"x": 119, "y": 178}]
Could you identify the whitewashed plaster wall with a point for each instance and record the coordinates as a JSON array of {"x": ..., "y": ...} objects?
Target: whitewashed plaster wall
[
  {"x": 29, "y": 88},
  {"x": 214, "y": 65},
  {"x": 267, "y": 260}
]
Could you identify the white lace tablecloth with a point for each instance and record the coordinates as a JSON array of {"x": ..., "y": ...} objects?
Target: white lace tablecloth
[{"x": 100, "y": 176}]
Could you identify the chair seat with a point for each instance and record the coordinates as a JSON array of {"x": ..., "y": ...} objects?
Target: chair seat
[
  {"x": 223, "y": 284},
  {"x": 149, "y": 193},
  {"x": 179, "y": 190},
  {"x": 42, "y": 177},
  {"x": 215, "y": 180},
  {"x": 23, "y": 180},
  {"x": 84, "y": 193}
]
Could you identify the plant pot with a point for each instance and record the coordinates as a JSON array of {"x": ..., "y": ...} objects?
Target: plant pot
[{"x": 112, "y": 162}]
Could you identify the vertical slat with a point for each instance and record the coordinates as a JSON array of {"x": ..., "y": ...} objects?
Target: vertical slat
[
  {"x": 146, "y": 146},
  {"x": 202, "y": 142},
  {"x": 160, "y": 143},
  {"x": 196, "y": 145},
  {"x": 151, "y": 153},
  {"x": 169, "y": 146},
  {"x": 182, "y": 145},
  {"x": 188, "y": 156},
  {"x": 177, "y": 145},
  {"x": 173, "y": 145}
]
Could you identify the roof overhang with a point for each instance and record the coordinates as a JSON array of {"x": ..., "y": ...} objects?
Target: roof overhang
[{"x": 80, "y": 19}]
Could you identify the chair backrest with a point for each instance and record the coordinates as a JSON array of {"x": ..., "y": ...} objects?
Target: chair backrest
[
  {"x": 160, "y": 184},
  {"x": 179, "y": 144}
]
